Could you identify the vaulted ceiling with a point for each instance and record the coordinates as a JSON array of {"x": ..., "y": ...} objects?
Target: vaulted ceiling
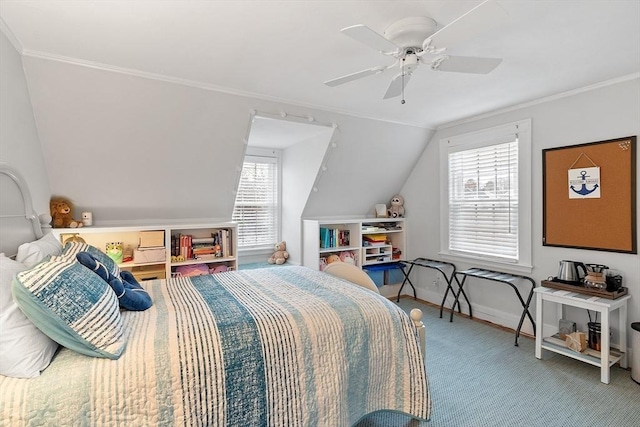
[{"x": 285, "y": 50}]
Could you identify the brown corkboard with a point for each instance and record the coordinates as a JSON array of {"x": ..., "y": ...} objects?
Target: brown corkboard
[{"x": 607, "y": 223}]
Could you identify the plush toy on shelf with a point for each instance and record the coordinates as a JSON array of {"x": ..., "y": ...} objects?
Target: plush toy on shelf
[
  {"x": 397, "y": 207},
  {"x": 333, "y": 258},
  {"x": 61, "y": 213},
  {"x": 280, "y": 255},
  {"x": 348, "y": 256}
]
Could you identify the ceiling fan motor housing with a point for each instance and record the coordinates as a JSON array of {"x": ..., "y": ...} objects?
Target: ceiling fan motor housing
[
  {"x": 409, "y": 62},
  {"x": 410, "y": 32}
]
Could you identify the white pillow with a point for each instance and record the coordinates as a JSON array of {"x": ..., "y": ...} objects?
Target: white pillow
[
  {"x": 31, "y": 254},
  {"x": 24, "y": 349}
]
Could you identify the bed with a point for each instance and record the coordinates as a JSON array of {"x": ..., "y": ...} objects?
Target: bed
[{"x": 280, "y": 346}]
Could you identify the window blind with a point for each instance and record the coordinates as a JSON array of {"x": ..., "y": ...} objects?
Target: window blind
[
  {"x": 256, "y": 205},
  {"x": 483, "y": 200}
]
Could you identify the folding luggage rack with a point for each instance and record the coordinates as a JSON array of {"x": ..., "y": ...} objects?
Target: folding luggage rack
[
  {"x": 440, "y": 266},
  {"x": 448, "y": 271},
  {"x": 498, "y": 276}
]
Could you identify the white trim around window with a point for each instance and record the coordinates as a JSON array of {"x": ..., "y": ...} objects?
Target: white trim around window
[{"x": 517, "y": 254}]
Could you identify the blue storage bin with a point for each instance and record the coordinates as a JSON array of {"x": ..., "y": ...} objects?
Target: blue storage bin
[{"x": 385, "y": 274}]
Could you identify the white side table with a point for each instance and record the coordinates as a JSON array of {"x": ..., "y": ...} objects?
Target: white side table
[{"x": 603, "y": 306}]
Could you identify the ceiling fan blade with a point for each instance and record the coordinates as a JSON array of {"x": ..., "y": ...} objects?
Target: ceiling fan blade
[
  {"x": 485, "y": 16},
  {"x": 367, "y": 36},
  {"x": 468, "y": 64},
  {"x": 395, "y": 87},
  {"x": 354, "y": 76}
]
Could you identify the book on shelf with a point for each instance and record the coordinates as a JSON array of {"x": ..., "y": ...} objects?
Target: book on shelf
[
  {"x": 334, "y": 237},
  {"x": 222, "y": 239},
  {"x": 218, "y": 245},
  {"x": 374, "y": 239},
  {"x": 186, "y": 248},
  {"x": 203, "y": 241},
  {"x": 207, "y": 257}
]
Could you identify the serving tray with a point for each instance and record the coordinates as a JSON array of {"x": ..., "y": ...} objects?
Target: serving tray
[{"x": 603, "y": 293}]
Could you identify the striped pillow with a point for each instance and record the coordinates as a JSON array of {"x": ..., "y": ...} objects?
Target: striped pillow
[{"x": 72, "y": 305}]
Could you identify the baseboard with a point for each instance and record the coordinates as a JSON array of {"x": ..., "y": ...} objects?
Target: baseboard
[
  {"x": 492, "y": 317},
  {"x": 500, "y": 319}
]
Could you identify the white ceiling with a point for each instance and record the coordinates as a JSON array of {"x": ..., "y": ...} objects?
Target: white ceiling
[{"x": 285, "y": 50}]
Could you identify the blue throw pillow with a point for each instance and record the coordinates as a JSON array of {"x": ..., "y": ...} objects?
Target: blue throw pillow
[
  {"x": 72, "y": 305},
  {"x": 129, "y": 292}
]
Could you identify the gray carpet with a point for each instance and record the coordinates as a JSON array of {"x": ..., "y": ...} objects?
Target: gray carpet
[{"x": 478, "y": 378}]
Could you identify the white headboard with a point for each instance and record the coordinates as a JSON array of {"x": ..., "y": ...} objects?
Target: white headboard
[{"x": 19, "y": 223}]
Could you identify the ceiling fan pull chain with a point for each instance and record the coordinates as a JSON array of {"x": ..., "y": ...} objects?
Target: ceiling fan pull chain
[{"x": 402, "y": 101}]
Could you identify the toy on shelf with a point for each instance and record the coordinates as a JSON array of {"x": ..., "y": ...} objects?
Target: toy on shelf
[
  {"x": 397, "y": 207},
  {"x": 61, "y": 213}
]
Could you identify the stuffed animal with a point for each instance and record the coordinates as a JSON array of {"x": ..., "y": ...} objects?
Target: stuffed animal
[
  {"x": 130, "y": 294},
  {"x": 115, "y": 251},
  {"x": 333, "y": 258},
  {"x": 218, "y": 269},
  {"x": 61, "y": 213},
  {"x": 397, "y": 209},
  {"x": 280, "y": 255},
  {"x": 348, "y": 257}
]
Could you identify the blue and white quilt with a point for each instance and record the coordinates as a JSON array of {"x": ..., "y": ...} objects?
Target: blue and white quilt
[{"x": 284, "y": 346}]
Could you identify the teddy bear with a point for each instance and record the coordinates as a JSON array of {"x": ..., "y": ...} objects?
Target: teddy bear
[
  {"x": 280, "y": 255},
  {"x": 61, "y": 213},
  {"x": 396, "y": 210},
  {"x": 333, "y": 258}
]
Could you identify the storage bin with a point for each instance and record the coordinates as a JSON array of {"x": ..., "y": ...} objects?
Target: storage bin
[
  {"x": 385, "y": 274},
  {"x": 150, "y": 239},
  {"x": 142, "y": 255}
]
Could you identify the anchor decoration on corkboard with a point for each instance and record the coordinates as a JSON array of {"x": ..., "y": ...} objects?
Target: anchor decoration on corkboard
[{"x": 584, "y": 183}]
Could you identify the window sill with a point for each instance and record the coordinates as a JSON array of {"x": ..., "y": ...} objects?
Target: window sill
[
  {"x": 489, "y": 264},
  {"x": 247, "y": 256}
]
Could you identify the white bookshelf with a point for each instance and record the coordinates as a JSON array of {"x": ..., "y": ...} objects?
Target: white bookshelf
[
  {"x": 99, "y": 236},
  {"x": 392, "y": 228}
]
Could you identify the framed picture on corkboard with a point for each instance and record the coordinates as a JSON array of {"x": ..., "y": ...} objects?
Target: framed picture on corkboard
[{"x": 589, "y": 196}]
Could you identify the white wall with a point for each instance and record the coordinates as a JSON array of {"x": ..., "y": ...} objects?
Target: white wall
[
  {"x": 131, "y": 148},
  {"x": 19, "y": 143},
  {"x": 602, "y": 113},
  {"x": 301, "y": 164}
]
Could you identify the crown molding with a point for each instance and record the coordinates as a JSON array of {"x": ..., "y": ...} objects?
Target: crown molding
[
  {"x": 207, "y": 86},
  {"x": 546, "y": 99},
  {"x": 12, "y": 38}
]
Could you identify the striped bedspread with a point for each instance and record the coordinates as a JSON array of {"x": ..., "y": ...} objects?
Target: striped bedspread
[{"x": 284, "y": 346}]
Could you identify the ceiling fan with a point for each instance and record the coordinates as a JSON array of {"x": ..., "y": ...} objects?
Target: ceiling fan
[{"x": 413, "y": 41}]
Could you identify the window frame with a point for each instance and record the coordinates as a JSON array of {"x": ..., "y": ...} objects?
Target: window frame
[
  {"x": 477, "y": 139},
  {"x": 255, "y": 152}
]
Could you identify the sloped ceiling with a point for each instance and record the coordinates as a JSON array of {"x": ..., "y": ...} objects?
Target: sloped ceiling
[
  {"x": 133, "y": 148},
  {"x": 285, "y": 50}
]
